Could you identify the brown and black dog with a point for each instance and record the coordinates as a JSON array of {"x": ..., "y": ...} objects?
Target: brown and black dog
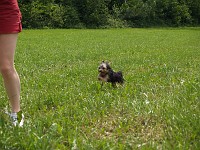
[{"x": 106, "y": 74}]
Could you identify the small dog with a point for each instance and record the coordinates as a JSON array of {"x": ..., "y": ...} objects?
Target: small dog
[{"x": 106, "y": 74}]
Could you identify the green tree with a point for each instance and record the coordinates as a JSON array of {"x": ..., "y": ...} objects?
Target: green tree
[
  {"x": 172, "y": 12},
  {"x": 135, "y": 12},
  {"x": 71, "y": 18},
  {"x": 194, "y": 8},
  {"x": 93, "y": 13},
  {"x": 108, "y": 13}
]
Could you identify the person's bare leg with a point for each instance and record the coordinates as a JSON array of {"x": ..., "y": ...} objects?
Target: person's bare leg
[{"x": 7, "y": 69}]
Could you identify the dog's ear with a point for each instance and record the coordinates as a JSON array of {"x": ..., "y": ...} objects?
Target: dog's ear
[
  {"x": 108, "y": 65},
  {"x": 107, "y": 62},
  {"x": 102, "y": 62}
]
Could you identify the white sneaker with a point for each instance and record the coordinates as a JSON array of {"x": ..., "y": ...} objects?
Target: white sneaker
[
  {"x": 17, "y": 118},
  {"x": 21, "y": 120}
]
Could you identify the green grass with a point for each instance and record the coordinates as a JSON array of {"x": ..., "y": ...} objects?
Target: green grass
[{"x": 157, "y": 108}]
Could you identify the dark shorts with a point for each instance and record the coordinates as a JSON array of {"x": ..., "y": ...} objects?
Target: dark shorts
[{"x": 10, "y": 17}]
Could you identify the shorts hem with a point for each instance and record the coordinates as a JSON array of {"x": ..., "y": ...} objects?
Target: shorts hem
[{"x": 9, "y": 29}]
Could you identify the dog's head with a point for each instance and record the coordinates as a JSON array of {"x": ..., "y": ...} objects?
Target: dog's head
[{"x": 104, "y": 68}]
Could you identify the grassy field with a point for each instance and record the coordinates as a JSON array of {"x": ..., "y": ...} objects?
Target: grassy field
[{"x": 65, "y": 108}]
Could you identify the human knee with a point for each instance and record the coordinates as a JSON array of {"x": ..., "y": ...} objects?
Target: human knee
[{"x": 6, "y": 70}]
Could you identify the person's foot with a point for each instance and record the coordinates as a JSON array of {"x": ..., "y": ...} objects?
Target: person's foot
[{"x": 17, "y": 118}]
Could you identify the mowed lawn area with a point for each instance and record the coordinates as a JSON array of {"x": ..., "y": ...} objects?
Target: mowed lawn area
[{"x": 65, "y": 107}]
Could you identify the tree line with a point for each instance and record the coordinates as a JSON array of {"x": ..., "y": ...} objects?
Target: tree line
[{"x": 109, "y": 13}]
